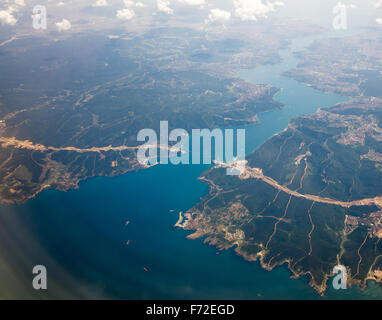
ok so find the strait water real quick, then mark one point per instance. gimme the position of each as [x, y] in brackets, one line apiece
[81, 235]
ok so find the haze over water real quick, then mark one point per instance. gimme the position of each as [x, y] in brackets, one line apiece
[81, 235]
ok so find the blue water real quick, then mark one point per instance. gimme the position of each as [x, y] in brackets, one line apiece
[80, 235]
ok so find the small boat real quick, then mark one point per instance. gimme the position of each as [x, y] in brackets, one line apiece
[127, 222]
[128, 242]
[145, 269]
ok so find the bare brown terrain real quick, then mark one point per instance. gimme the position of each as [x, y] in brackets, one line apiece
[257, 173]
[26, 144]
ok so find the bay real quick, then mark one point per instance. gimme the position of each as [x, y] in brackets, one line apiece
[81, 235]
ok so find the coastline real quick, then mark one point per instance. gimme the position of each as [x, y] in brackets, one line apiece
[321, 289]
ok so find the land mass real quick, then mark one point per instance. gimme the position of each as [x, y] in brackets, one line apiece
[73, 111]
[309, 197]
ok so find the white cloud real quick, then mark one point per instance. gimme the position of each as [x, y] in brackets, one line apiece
[60, 4]
[164, 6]
[254, 9]
[20, 3]
[378, 5]
[128, 13]
[130, 3]
[349, 6]
[101, 3]
[217, 15]
[11, 3]
[125, 14]
[379, 20]
[193, 2]
[7, 15]
[6, 18]
[64, 25]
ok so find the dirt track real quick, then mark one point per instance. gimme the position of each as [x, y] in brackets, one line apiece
[246, 174]
[26, 144]
[258, 174]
